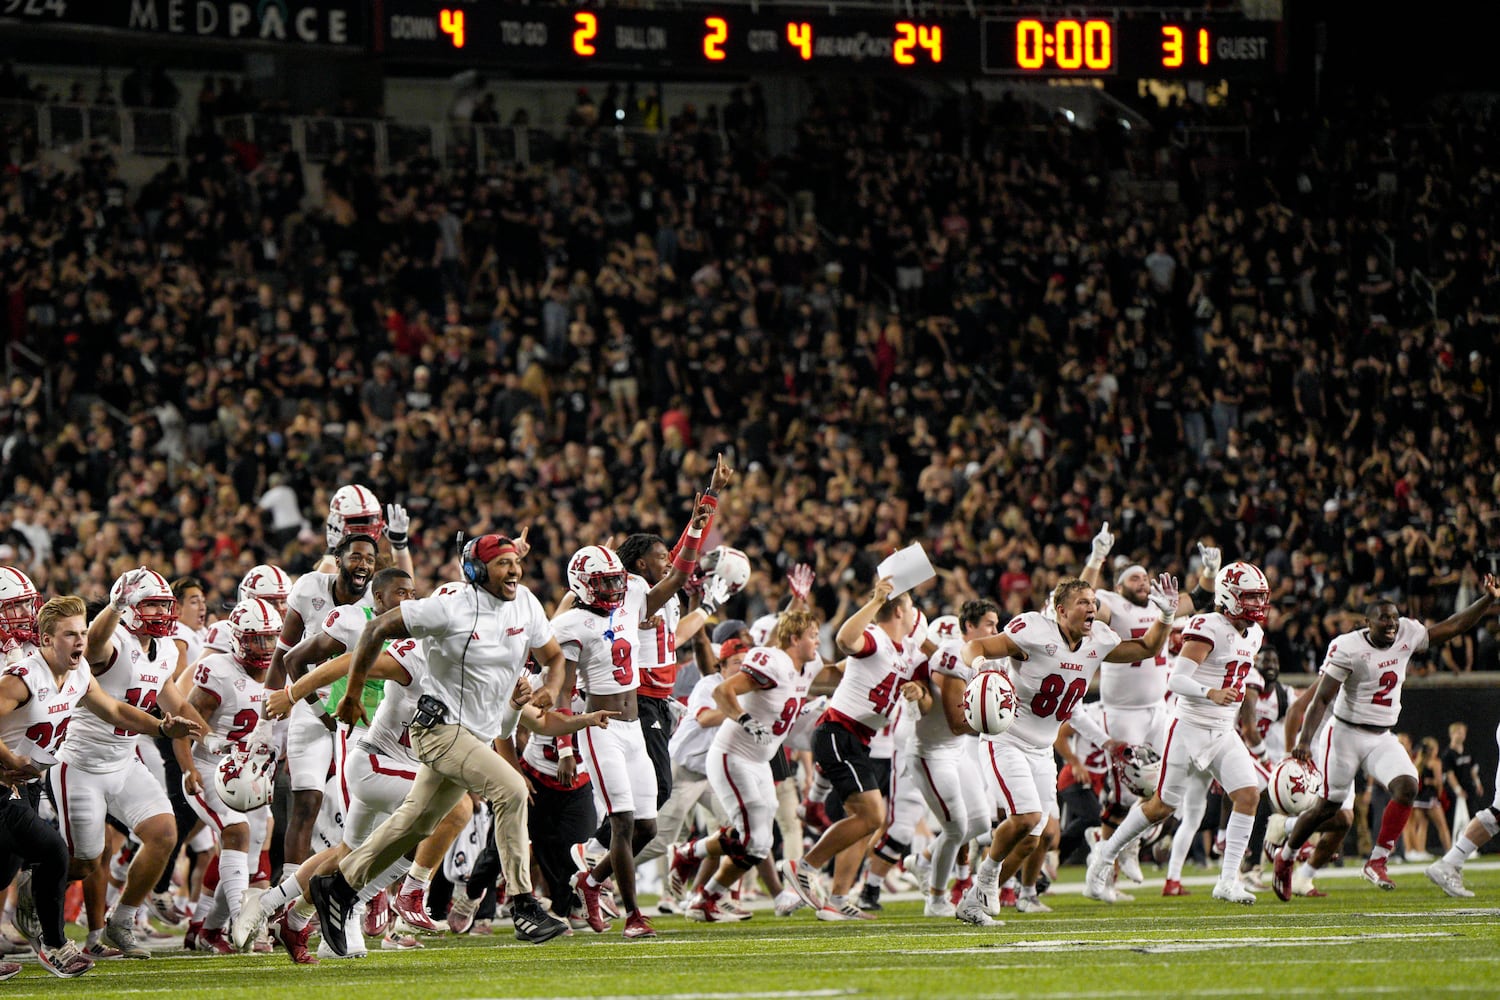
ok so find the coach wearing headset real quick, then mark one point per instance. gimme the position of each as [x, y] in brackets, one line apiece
[478, 638]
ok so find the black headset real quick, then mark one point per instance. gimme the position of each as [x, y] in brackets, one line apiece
[474, 570]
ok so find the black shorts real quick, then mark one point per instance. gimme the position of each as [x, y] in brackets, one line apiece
[845, 761]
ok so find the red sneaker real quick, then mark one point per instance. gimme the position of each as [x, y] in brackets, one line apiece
[963, 885]
[590, 896]
[190, 939]
[1281, 878]
[1174, 888]
[637, 926]
[704, 909]
[410, 905]
[377, 915]
[217, 941]
[815, 816]
[1376, 875]
[1007, 897]
[682, 869]
[9, 970]
[295, 942]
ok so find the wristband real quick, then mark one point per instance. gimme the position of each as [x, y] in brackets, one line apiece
[318, 707]
[744, 717]
[564, 753]
[282, 647]
[1205, 691]
[161, 727]
[397, 546]
[685, 560]
[1167, 618]
[694, 531]
[710, 498]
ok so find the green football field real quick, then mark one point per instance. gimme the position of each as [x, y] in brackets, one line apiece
[1359, 941]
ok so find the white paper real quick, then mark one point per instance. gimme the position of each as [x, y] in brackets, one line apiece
[907, 568]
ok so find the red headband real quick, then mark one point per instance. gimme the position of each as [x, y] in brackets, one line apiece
[487, 547]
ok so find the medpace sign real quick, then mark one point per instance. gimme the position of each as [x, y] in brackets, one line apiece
[272, 22]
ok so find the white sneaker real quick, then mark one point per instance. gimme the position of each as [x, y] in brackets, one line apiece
[1449, 879]
[788, 903]
[1130, 862]
[939, 906]
[249, 922]
[1121, 896]
[1253, 879]
[1030, 904]
[1096, 882]
[987, 897]
[1415, 857]
[1231, 891]
[972, 913]
[667, 906]
[918, 865]
[1276, 830]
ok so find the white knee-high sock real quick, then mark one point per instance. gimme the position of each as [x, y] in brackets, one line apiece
[1236, 838]
[1189, 817]
[944, 853]
[385, 878]
[1134, 824]
[234, 878]
[285, 894]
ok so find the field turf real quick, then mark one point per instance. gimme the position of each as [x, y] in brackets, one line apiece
[1414, 942]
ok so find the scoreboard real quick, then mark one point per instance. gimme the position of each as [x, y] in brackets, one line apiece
[1108, 43]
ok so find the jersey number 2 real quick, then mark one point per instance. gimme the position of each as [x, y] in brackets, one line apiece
[1388, 682]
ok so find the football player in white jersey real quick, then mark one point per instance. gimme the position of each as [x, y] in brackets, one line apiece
[861, 705]
[764, 700]
[229, 693]
[599, 637]
[309, 736]
[355, 510]
[1362, 676]
[39, 700]
[1447, 872]
[132, 657]
[1052, 664]
[1202, 742]
[944, 765]
[19, 603]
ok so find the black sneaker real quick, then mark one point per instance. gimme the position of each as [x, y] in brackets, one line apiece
[533, 924]
[869, 899]
[334, 901]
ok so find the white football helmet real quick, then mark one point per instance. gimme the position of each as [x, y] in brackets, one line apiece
[246, 776]
[1241, 592]
[918, 633]
[268, 583]
[354, 510]
[1140, 769]
[597, 578]
[732, 566]
[1294, 786]
[943, 628]
[254, 627]
[19, 603]
[155, 610]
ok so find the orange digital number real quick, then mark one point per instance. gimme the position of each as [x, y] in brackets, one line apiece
[930, 37]
[452, 23]
[799, 37]
[1030, 41]
[588, 30]
[906, 40]
[1203, 46]
[1098, 45]
[713, 42]
[1171, 47]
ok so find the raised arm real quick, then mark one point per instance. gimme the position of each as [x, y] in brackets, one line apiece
[1163, 597]
[850, 637]
[1094, 568]
[1465, 620]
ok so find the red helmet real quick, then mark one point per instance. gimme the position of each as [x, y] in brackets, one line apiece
[19, 603]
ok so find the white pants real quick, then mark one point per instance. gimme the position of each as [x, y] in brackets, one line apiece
[1195, 755]
[905, 807]
[84, 798]
[309, 749]
[377, 785]
[954, 790]
[747, 794]
[1022, 779]
[1137, 726]
[616, 758]
[689, 790]
[1347, 748]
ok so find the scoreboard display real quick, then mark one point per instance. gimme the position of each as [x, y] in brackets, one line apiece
[739, 41]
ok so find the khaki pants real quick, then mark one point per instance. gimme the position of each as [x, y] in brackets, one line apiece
[454, 762]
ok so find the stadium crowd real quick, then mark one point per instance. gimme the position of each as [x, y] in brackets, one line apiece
[975, 337]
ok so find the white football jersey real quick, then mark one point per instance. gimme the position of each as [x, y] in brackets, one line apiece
[312, 598]
[1371, 676]
[656, 647]
[133, 676]
[691, 740]
[934, 736]
[388, 732]
[604, 646]
[868, 691]
[343, 625]
[46, 716]
[775, 702]
[1142, 684]
[1051, 682]
[1227, 665]
[215, 638]
[1268, 714]
[1095, 759]
[239, 703]
[192, 642]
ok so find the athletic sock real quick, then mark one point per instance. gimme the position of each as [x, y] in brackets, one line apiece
[1131, 827]
[124, 914]
[1462, 850]
[286, 893]
[1236, 839]
[419, 877]
[1392, 822]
